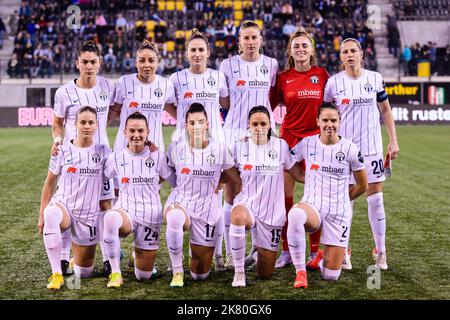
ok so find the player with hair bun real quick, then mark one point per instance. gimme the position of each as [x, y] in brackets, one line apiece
[361, 98]
[200, 84]
[250, 75]
[88, 89]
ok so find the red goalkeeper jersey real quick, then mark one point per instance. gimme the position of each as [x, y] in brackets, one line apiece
[301, 93]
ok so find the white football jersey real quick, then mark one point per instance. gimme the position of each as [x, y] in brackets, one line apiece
[81, 179]
[205, 88]
[147, 98]
[70, 98]
[357, 101]
[249, 84]
[328, 172]
[138, 176]
[198, 173]
[262, 173]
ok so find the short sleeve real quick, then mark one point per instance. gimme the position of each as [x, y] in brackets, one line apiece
[173, 80]
[223, 90]
[228, 159]
[112, 92]
[276, 93]
[274, 72]
[110, 166]
[164, 170]
[289, 157]
[329, 92]
[170, 155]
[59, 107]
[356, 160]
[119, 91]
[170, 92]
[297, 150]
[56, 163]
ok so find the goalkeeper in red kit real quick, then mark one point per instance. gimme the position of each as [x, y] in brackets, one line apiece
[300, 88]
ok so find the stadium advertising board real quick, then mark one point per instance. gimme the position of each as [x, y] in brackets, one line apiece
[431, 93]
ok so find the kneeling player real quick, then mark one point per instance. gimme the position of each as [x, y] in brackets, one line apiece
[262, 160]
[138, 208]
[79, 166]
[330, 161]
[193, 203]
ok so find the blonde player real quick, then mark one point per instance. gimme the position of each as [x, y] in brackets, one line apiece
[146, 92]
[138, 208]
[361, 98]
[261, 160]
[198, 162]
[87, 90]
[200, 84]
[330, 162]
[250, 76]
[75, 205]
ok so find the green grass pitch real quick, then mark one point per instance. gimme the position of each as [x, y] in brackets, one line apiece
[418, 239]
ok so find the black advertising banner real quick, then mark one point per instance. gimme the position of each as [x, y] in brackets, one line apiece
[404, 93]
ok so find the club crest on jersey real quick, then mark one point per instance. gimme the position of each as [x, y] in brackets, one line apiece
[211, 159]
[264, 70]
[340, 156]
[211, 81]
[273, 154]
[314, 79]
[149, 163]
[368, 87]
[158, 92]
[103, 95]
[96, 158]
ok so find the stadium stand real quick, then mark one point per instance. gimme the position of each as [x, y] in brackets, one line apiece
[44, 45]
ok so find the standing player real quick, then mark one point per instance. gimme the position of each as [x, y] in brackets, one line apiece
[330, 162]
[198, 162]
[138, 208]
[250, 76]
[146, 92]
[361, 97]
[200, 84]
[300, 88]
[75, 205]
[87, 90]
[261, 160]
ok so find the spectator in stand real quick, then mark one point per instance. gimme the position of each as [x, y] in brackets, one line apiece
[394, 42]
[317, 19]
[405, 60]
[13, 22]
[288, 29]
[432, 54]
[24, 10]
[121, 23]
[446, 61]
[2, 32]
[170, 63]
[13, 67]
[110, 58]
[127, 64]
[45, 67]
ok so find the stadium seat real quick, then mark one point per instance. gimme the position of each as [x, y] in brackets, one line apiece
[179, 5]
[161, 5]
[260, 23]
[139, 23]
[238, 15]
[216, 3]
[170, 46]
[151, 35]
[170, 5]
[179, 34]
[237, 5]
[150, 25]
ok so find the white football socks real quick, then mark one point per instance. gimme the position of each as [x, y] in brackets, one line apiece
[53, 217]
[377, 218]
[296, 237]
[174, 237]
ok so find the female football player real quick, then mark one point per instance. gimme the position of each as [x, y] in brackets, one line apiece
[261, 160]
[300, 88]
[78, 172]
[193, 204]
[330, 161]
[361, 98]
